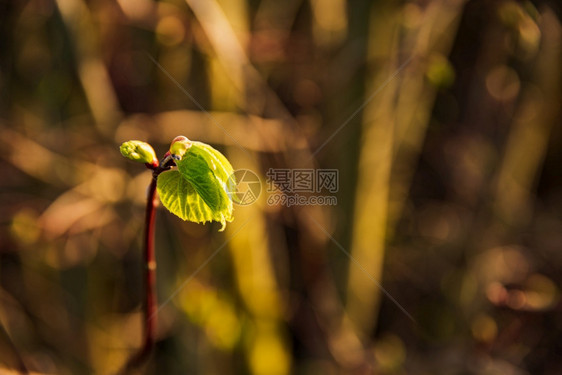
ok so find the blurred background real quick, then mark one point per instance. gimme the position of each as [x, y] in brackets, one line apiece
[443, 254]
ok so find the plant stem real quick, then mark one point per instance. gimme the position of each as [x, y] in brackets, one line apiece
[149, 281]
[150, 271]
[150, 302]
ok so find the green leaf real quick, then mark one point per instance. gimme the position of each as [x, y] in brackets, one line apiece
[181, 199]
[201, 188]
[210, 174]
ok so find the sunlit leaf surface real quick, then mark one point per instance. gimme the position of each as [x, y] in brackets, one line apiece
[200, 189]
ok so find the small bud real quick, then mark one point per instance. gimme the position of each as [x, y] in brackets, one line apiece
[179, 147]
[138, 151]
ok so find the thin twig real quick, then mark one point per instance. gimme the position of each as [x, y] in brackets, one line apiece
[150, 302]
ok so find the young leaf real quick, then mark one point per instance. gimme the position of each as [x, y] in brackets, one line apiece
[210, 174]
[201, 188]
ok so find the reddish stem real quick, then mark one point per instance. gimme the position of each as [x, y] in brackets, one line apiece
[149, 272]
[149, 280]
[149, 267]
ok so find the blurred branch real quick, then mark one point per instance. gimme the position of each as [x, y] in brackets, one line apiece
[536, 114]
[393, 132]
[250, 249]
[329, 22]
[257, 284]
[431, 40]
[28, 155]
[251, 132]
[375, 159]
[255, 96]
[91, 69]
[39, 162]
